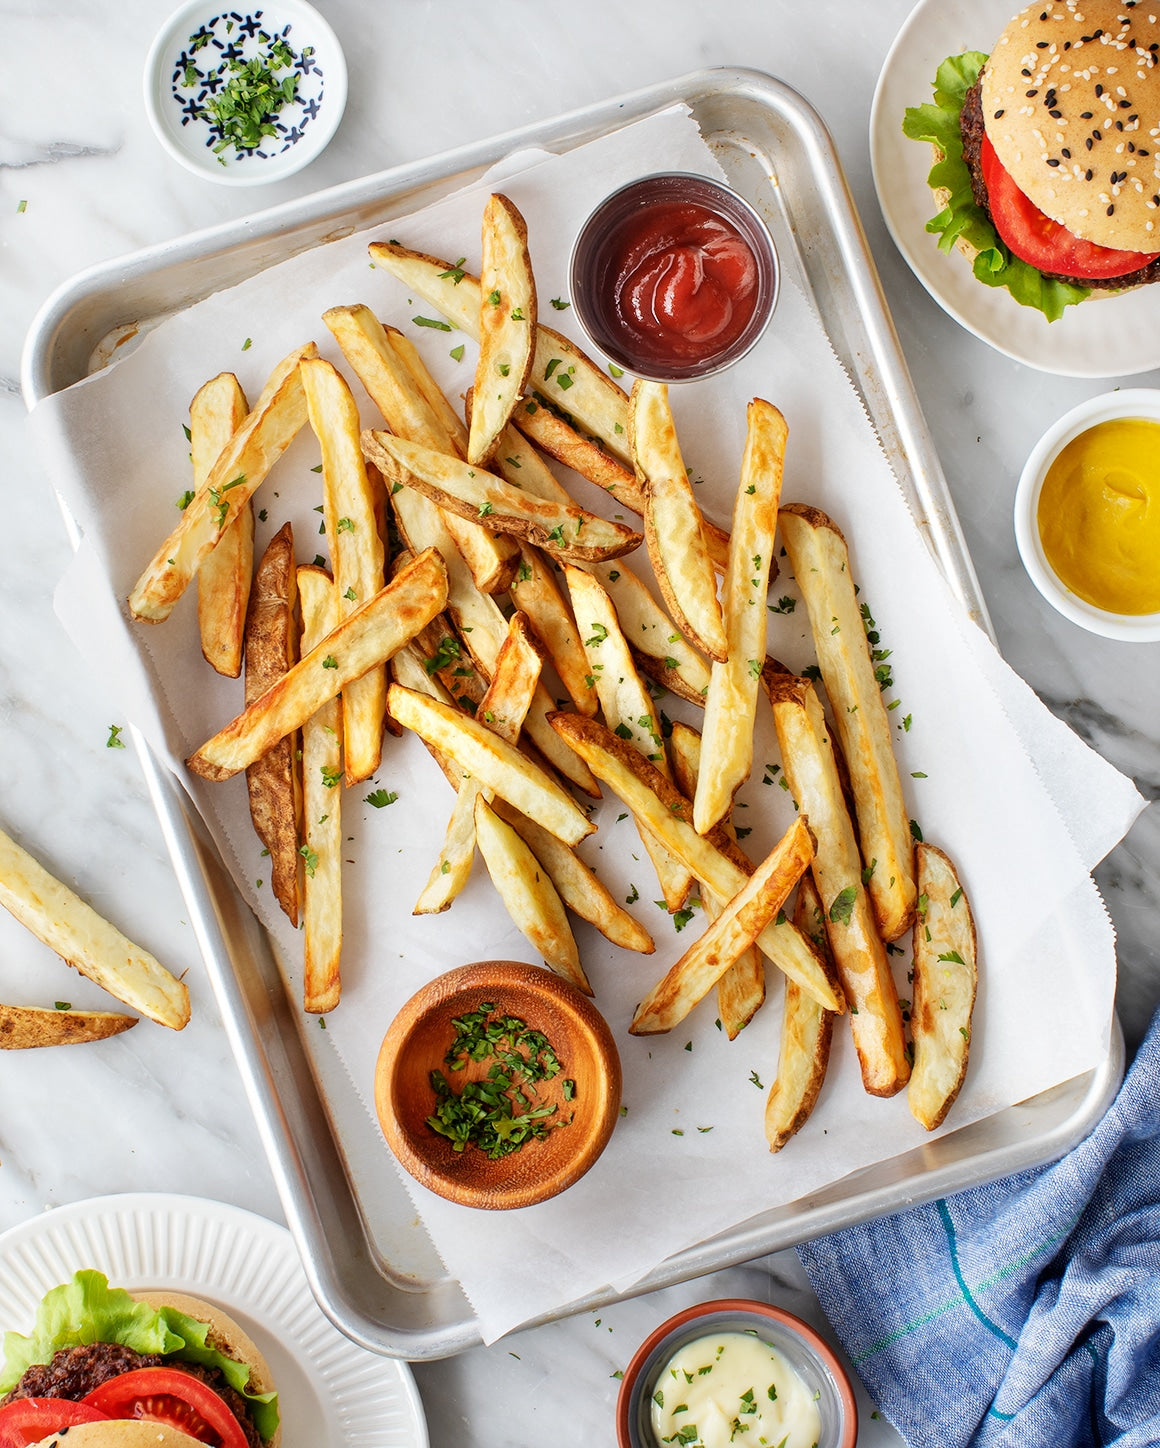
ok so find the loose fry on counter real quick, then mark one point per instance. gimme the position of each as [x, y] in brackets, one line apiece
[507, 326]
[713, 858]
[672, 522]
[223, 581]
[356, 551]
[858, 951]
[24, 1028]
[563, 530]
[736, 927]
[806, 1032]
[273, 781]
[83, 939]
[496, 764]
[945, 979]
[365, 638]
[322, 768]
[253, 450]
[731, 704]
[821, 564]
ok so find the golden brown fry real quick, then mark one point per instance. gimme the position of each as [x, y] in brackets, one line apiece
[63, 921]
[560, 440]
[252, 451]
[446, 416]
[806, 1032]
[731, 704]
[356, 551]
[945, 979]
[24, 1028]
[859, 954]
[734, 930]
[322, 736]
[273, 782]
[821, 564]
[660, 649]
[507, 326]
[223, 580]
[368, 636]
[672, 522]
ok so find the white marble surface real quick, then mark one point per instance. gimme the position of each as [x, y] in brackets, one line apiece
[150, 1111]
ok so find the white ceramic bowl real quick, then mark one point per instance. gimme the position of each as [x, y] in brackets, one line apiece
[189, 64]
[1130, 402]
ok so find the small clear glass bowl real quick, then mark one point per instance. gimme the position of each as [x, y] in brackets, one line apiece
[593, 255]
[808, 1353]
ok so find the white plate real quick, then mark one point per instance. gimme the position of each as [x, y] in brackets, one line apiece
[1114, 336]
[331, 1391]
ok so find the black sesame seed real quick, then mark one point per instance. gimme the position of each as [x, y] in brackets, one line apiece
[1052, 161]
[1088, 143]
[1124, 105]
[1055, 113]
[1087, 175]
[1099, 90]
[1085, 115]
[998, 114]
[1032, 93]
[1066, 153]
[1041, 45]
[1119, 125]
[1025, 73]
[1156, 201]
[1110, 210]
[1133, 118]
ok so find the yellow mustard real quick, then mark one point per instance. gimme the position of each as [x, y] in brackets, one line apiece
[1099, 516]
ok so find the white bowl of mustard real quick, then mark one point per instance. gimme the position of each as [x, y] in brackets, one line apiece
[1087, 515]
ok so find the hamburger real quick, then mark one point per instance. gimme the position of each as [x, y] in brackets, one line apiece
[113, 1369]
[1048, 152]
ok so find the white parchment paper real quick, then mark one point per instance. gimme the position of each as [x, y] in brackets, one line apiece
[1022, 805]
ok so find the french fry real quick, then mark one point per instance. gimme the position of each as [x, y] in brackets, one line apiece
[660, 649]
[356, 551]
[806, 1032]
[24, 1028]
[713, 858]
[322, 768]
[365, 638]
[859, 954]
[66, 924]
[273, 781]
[672, 522]
[731, 704]
[736, 927]
[945, 980]
[223, 580]
[741, 990]
[563, 530]
[528, 894]
[817, 552]
[445, 415]
[495, 763]
[253, 450]
[507, 326]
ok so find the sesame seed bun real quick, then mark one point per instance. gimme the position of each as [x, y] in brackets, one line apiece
[119, 1433]
[1071, 103]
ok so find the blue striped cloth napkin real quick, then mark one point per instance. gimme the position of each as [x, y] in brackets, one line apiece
[1024, 1312]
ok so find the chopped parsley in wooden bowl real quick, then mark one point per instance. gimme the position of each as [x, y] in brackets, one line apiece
[498, 1085]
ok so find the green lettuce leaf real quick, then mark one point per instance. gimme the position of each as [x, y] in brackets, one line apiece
[88, 1310]
[938, 125]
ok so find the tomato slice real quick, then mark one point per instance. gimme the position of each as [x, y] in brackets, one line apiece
[1044, 243]
[169, 1396]
[29, 1420]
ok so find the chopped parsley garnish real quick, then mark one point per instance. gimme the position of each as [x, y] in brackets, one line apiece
[443, 656]
[560, 306]
[114, 741]
[435, 322]
[380, 798]
[457, 353]
[186, 498]
[221, 502]
[843, 907]
[310, 857]
[454, 273]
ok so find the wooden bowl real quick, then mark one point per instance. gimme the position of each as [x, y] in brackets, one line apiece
[418, 1041]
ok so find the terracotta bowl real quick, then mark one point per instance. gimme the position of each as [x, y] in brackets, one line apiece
[417, 1043]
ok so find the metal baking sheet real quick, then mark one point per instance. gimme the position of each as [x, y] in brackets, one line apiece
[370, 1264]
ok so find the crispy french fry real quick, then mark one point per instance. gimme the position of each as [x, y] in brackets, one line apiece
[731, 704]
[365, 638]
[356, 551]
[273, 782]
[821, 564]
[945, 979]
[660, 649]
[252, 451]
[496, 764]
[563, 530]
[734, 930]
[63, 921]
[672, 522]
[859, 954]
[446, 416]
[713, 858]
[24, 1028]
[507, 326]
[322, 768]
[223, 580]
[806, 1031]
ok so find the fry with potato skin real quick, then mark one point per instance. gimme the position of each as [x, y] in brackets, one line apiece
[507, 326]
[24, 1028]
[223, 581]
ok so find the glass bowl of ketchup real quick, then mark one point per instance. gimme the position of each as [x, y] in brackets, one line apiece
[674, 277]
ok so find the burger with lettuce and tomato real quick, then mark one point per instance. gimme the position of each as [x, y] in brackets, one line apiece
[115, 1370]
[1048, 152]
